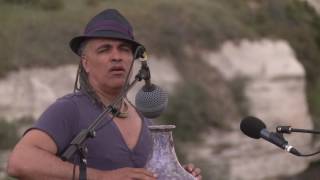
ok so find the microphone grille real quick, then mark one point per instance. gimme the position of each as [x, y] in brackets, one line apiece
[151, 103]
[252, 126]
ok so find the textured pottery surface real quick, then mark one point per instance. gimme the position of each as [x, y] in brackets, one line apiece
[163, 160]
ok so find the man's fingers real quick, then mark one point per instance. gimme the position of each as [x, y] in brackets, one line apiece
[189, 167]
[199, 177]
[193, 170]
[196, 171]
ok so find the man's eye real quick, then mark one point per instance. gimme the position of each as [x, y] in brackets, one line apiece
[102, 50]
[126, 48]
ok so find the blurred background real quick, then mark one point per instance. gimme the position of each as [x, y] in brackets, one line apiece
[219, 60]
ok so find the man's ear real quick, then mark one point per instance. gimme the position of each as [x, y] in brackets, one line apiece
[85, 65]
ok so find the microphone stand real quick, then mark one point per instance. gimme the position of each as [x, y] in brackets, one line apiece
[289, 130]
[78, 143]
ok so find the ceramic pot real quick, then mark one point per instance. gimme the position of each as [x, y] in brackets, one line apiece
[163, 160]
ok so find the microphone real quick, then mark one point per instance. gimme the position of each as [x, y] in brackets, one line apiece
[150, 100]
[255, 128]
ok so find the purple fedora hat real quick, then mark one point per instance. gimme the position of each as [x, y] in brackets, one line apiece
[107, 24]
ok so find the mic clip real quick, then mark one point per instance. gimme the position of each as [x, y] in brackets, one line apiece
[144, 73]
[113, 110]
[284, 129]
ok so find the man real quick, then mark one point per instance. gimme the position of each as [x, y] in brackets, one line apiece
[122, 143]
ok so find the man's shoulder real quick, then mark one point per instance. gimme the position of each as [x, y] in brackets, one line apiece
[74, 96]
[69, 100]
[79, 100]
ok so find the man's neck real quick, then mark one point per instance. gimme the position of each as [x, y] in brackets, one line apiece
[107, 97]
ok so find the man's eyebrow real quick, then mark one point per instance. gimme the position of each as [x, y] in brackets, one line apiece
[125, 44]
[105, 45]
[108, 45]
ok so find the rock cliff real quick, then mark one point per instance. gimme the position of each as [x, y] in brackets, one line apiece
[274, 90]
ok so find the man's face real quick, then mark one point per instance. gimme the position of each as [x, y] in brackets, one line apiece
[107, 62]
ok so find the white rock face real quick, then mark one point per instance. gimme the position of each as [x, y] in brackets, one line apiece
[29, 92]
[274, 89]
[256, 60]
[315, 4]
[276, 93]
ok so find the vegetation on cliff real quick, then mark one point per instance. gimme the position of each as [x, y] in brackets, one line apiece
[37, 32]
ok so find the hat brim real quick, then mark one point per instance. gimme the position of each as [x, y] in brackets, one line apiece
[75, 43]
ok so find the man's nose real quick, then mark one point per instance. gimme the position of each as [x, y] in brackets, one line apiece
[116, 55]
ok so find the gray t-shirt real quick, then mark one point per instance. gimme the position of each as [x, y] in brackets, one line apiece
[65, 118]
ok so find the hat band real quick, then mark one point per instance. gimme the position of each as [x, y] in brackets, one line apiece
[109, 25]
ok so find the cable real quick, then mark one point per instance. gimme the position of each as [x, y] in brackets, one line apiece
[74, 169]
[289, 130]
[307, 155]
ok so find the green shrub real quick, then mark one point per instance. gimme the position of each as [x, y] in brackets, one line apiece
[5, 55]
[44, 4]
[237, 86]
[51, 4]
[92, 2]
[166, 27]
[20, 1]
[8, 134]
[188, 109]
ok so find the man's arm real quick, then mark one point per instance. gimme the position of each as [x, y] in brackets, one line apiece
[34, 158]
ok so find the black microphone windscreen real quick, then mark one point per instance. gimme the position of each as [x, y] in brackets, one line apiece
[252, 127]
[151, 103]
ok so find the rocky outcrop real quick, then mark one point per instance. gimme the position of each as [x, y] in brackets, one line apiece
[28, 92]
[315, 4]
[273, 86]
[275, 91]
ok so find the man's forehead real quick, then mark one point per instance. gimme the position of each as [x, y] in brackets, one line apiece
[111, 41]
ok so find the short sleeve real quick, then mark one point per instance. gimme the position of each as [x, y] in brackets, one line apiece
[59, 121]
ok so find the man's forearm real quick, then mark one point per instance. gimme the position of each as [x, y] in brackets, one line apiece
[35, 163]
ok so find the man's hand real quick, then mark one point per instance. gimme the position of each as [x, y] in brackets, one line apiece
[193, 170]
[129, 174]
